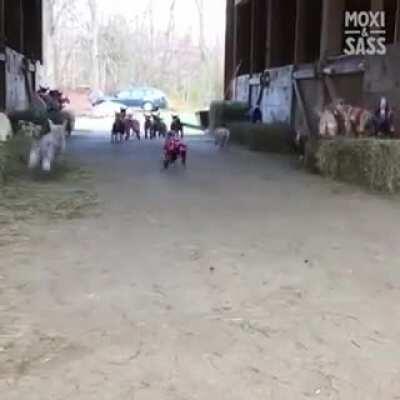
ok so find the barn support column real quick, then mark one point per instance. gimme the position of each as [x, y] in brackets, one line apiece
[2, 57]
[270, 10]
[230, 45]
[397, 29]
[332, 27]
[236, 62]
[21, 25]
[2, 25]
[331, 37]
[299, 45]
[253, 37]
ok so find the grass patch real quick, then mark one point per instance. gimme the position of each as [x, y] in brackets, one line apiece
[372, 163]
[13, 157]
[65, 194]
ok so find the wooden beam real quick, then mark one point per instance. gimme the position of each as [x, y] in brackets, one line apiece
[268, 47]
[331, 88]
[21, 25]
[299, 43]
[397, 29]
[2, 25]
[253, 37]
[332, 27]
[302, 106]
[229, 46]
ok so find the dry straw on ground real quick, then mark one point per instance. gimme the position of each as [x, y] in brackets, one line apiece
[66, 193]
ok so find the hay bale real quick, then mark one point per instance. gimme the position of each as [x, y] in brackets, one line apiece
[372, 163]
[274, 138]
[224, 112]
[310, 154]
[14, 156]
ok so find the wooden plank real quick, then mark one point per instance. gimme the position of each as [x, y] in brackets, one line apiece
[21, 25]
[229, 46]
[268, 48]
[299, 45]
[302, 106]
[328, 81]
[252, 36]
[2, 24]
[332, 27]
[397, 28]
[306, 71]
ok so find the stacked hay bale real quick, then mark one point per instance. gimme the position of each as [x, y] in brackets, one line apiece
[274, 138]
[372, 163]
[224, 112]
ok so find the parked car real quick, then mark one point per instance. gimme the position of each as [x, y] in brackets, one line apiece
[145, 97]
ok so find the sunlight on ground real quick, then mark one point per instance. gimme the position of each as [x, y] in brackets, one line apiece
[104, 124]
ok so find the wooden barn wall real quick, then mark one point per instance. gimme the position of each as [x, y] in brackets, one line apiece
[358, 80]
[382, 77]
[277, 99]
[20, 36]
[242, 88]
[16, 94]
[349, 87]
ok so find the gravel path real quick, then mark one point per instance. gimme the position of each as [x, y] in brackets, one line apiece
[240, 277]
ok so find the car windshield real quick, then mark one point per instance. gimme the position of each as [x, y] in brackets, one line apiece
[141, 94]
[131, 94]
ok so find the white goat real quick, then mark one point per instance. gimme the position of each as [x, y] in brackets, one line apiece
[222, 136]
[45, 150]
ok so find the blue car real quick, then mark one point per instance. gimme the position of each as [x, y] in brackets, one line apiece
[144, 97]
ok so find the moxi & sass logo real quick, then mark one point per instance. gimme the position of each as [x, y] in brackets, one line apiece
[365, 33]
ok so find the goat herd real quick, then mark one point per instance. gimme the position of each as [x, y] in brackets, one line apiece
[356, 121]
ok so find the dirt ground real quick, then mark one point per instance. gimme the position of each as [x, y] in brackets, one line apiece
[240, 277]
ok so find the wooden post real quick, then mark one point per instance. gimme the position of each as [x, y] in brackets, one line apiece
[252, 45]
[2, 56]
[299, 43]
[2, 25]
[302, 106]
[21, 25]
[268, 55]
[235, 36]
[229, 46]
[253, 37]
[331, 88]
[332, 27]
[397, 29]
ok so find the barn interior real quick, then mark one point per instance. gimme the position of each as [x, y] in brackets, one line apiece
[300, 43]
[20, 50]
